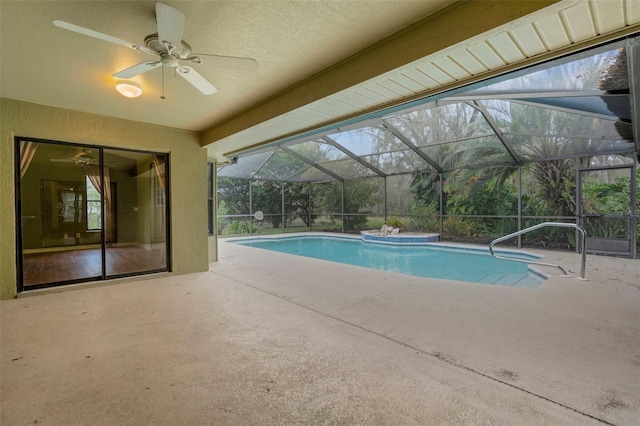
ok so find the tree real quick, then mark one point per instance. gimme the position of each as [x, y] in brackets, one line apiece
[296, 199]
[358, 195]
[267, 197]
[234, 193]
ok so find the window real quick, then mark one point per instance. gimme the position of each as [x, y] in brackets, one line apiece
[67, 206]
[210, 197]
[159, 196]
[94, 211]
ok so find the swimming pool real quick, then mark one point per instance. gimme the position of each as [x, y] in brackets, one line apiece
[450, 262]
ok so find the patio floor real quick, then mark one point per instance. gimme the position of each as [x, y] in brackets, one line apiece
[261, 339]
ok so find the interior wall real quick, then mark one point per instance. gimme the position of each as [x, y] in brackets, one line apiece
[32, 229]
[188, 175]
[126, 199]
[32, 203]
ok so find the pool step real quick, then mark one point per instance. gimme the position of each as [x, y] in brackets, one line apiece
[530, 281]
[513, 280]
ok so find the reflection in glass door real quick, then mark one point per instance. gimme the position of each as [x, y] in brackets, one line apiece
[58, 243]
[139, 243]
[87, 213]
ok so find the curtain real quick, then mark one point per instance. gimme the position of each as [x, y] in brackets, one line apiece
[92, 171]
[27, 151]
[159, 163]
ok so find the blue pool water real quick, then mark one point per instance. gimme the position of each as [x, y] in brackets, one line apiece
[462, 264]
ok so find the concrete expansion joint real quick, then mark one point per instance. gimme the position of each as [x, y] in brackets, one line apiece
[434, 355]
[368, 298]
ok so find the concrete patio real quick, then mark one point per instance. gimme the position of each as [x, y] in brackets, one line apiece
[262, 339]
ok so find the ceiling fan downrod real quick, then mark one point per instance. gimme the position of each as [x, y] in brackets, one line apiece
[162, 96]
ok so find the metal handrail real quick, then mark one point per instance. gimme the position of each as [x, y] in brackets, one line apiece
[583, 246]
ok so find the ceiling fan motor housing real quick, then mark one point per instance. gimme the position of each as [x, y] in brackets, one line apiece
[179, 52]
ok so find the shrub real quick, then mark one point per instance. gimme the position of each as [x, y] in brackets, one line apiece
[460, 227]
[242, 227]
[394, 222]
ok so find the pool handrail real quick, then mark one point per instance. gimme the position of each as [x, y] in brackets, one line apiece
[583, 246]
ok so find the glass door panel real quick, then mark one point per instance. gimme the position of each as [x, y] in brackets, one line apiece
[58, 243]
[135, 209]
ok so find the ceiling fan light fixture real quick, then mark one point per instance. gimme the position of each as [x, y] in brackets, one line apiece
[130, 89]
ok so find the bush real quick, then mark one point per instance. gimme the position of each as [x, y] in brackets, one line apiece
[394, 222]
[242, 227]
[354, 223]
[460, 227]
[425, 224]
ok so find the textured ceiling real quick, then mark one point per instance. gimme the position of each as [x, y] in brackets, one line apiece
[290, 40]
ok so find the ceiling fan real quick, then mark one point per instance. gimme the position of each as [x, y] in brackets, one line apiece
[173, 52]
[83, 158]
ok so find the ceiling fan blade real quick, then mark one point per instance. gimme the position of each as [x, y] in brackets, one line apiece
[101, 36]
[198, 81]
[231, 62]
[170, 24]
[138, 69]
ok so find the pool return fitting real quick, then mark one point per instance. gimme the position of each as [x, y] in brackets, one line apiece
[583, 246]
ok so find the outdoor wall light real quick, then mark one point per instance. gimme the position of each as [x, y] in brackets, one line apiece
[130, 89]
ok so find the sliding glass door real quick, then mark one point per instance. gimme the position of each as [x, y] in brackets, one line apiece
[137, 241]
[89, 213]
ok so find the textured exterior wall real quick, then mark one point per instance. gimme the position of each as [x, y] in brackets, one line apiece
[213, 240]
[188, 171]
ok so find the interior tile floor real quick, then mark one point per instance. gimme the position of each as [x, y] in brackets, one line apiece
[261, 339]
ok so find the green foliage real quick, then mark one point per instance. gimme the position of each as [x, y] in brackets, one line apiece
[555, 187]
[222, 210]
[296, 198]
[460, 227]
[490, 198]
[465, 192]
[267, 197]
[242, 227]
[532, 205]
[425, 224]
[600, 198]
[358, 195]
[606, 228]
[492, 228]
[425, 188]
[394, 222]
[549, 237]
[425, 216]
[607, 198]
[375, 222]
[234, 193]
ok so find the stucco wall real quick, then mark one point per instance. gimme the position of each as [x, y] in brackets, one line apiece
[213, 240]
[188, 170]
